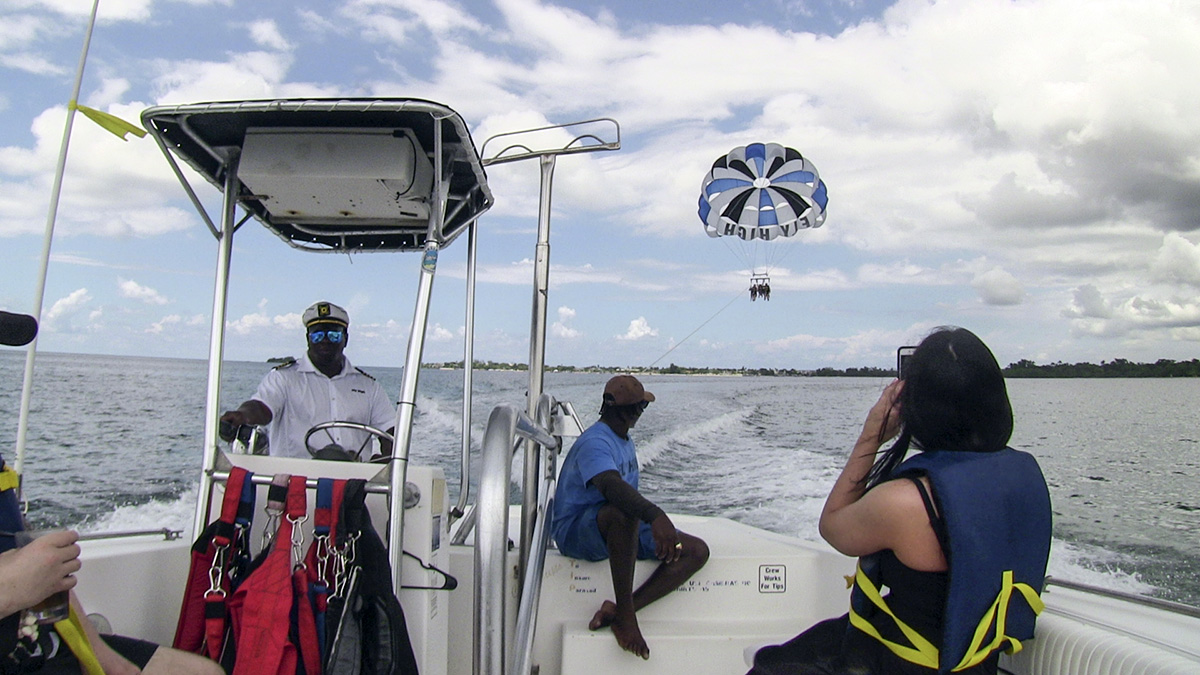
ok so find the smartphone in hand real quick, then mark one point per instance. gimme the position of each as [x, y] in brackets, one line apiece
[902, 355]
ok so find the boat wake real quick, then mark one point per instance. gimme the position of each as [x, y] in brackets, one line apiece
[173, 514]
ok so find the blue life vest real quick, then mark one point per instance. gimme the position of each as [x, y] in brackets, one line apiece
[11, 521]
[996, 511]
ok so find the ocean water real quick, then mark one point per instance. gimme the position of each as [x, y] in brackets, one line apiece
[114, 444]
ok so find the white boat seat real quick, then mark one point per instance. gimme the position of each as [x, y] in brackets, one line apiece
[1063, 645]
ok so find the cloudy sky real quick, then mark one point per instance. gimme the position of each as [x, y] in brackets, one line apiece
[1028, 169]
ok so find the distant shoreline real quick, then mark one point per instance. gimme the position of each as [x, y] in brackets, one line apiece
[1021, 369]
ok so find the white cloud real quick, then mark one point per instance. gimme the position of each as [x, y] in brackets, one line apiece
[998, 287]
[171, 320]
[520, 273]
[639, 328]
[132, 289]
[70, 305]
[265, 33]
[869, 346]
[118, 10]
[1178, 261]
[1174, 318]
[900, 272]
[1088, 303]
[248, 75]
[31, 63]
[560, 328]
[438, 17]
[251, 324]
[159, 326]
[111, 187]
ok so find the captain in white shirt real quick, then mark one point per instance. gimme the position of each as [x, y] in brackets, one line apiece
[322, 387]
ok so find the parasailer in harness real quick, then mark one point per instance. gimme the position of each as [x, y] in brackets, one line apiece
[760, 287]
[958, 535]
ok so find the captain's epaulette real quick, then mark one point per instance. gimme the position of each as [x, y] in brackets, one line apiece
[364, 372]
[287, 363]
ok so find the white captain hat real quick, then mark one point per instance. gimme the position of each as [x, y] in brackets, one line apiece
[326, 312]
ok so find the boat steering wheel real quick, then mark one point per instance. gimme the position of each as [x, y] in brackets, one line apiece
[324, 453]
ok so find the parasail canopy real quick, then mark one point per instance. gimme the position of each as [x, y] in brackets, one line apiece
[757, 195]
[762, 191]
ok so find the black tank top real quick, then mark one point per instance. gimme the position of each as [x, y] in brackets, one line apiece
[918, 598]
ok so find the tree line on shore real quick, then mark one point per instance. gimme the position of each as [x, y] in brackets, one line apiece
[1114, 368]
[1023, 368]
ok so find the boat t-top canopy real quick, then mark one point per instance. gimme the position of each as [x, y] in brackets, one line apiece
[334, 175]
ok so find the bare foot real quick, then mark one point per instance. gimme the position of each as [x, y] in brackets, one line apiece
[604, 616]
[629, 636]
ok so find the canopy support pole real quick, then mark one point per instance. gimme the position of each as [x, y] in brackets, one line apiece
[216, 340]
[587, 140]
[537, 356]
[407, 404]
[468, 374]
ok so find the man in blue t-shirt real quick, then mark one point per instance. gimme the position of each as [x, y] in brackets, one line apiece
[599, 513]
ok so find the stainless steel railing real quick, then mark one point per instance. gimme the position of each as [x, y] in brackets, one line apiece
[494, 655]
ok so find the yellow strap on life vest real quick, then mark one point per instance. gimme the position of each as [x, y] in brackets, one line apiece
[999, 611]
[9, 479]
[922, 652]
[71, 631]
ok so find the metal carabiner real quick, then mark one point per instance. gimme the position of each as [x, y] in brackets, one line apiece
[216, 572]
[297, 539]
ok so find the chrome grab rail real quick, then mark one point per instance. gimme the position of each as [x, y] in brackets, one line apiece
[165, 532]
[1144, 600]
[533, 566]
[491, 537]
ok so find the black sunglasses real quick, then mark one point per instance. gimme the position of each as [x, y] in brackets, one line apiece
[334, 336]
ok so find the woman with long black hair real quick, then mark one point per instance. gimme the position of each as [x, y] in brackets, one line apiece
[958, 534]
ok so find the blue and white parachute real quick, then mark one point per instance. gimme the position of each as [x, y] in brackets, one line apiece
[756, 195]
[762, 191]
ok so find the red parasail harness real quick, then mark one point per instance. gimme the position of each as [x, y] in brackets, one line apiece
[332, 610]
[275, 633]
[218, 558]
